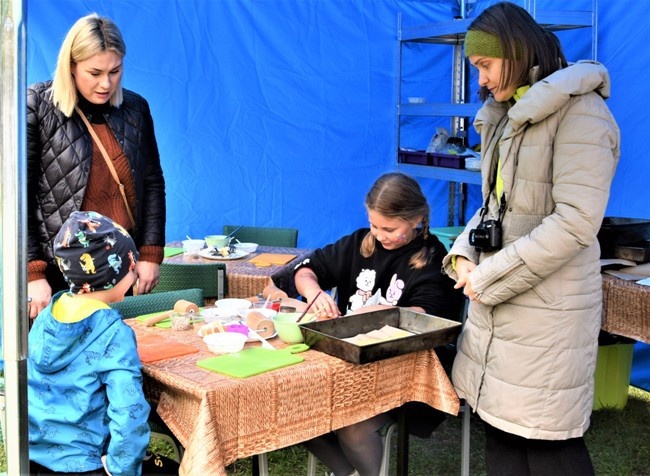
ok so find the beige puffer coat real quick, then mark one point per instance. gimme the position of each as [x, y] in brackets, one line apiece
[527, 353]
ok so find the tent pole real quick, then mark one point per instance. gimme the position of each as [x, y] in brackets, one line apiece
[12, 233]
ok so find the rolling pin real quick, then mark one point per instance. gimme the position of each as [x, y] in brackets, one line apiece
[181, 306]
[273, 292]
[260, 324]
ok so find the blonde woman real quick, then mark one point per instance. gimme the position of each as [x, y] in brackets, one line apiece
[66, 169]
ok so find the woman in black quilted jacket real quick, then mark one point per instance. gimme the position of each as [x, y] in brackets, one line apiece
[66, 168]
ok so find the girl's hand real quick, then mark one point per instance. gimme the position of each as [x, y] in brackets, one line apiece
[324, 307]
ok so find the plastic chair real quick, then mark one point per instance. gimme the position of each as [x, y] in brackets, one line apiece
[210, 277]
[133, 306]
[176, 449]
[385, 459]
[264, 236]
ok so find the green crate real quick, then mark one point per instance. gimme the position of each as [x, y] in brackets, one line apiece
[612, 379]
[447, 234]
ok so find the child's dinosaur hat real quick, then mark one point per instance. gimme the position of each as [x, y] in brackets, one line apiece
[93, 252]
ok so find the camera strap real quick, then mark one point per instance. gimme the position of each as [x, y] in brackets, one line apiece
[502, 200]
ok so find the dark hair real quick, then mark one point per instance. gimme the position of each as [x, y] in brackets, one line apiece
[396, 195]
[521, 38]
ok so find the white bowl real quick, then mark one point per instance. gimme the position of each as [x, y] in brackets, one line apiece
[414, 100]
[233, 304]
[225, 342]
[267, 313]
[246, 247]
[225, 315]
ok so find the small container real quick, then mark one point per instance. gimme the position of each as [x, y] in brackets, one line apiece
[241, 328]
[275, 305]
[191, 248]
[285, 309]
[419, 157]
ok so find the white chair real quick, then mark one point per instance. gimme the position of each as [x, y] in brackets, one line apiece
[385, 459]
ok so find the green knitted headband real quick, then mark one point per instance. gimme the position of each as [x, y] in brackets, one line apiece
[480, 43]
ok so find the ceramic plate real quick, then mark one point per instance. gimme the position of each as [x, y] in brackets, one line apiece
[213, 313]
[207, 253]
[253, 339]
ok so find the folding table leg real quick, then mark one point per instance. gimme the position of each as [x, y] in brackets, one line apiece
[465, 442]
[402, 444]
[260, 465]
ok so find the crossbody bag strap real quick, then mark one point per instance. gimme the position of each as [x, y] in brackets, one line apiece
[109, 162]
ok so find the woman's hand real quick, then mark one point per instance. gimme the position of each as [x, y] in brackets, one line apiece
[40, 293]
[464, 267]
[147, 276]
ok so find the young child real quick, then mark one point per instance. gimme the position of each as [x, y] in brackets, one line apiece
[87, 411]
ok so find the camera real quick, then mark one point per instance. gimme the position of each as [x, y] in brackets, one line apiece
[486, 236]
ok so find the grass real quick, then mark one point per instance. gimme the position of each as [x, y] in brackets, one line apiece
[618, 440]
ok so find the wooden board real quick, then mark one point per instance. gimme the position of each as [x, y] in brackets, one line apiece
[272, 258]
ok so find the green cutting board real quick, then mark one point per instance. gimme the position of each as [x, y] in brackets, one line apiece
[254, 360]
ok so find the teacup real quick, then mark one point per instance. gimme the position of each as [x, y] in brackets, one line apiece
[217, 241]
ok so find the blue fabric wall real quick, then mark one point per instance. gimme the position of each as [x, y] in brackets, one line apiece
[282, 112]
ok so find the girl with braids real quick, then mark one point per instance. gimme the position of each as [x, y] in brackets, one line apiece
[394, 262]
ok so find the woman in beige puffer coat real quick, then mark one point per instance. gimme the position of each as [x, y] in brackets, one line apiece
[527, 354]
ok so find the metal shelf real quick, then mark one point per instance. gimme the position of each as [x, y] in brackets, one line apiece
[439, 109]
[441, 173]
[452, 33]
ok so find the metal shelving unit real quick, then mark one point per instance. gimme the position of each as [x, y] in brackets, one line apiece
[460, 111]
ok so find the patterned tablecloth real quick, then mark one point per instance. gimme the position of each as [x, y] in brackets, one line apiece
[219, 419]
[626, 308]
[246, 278]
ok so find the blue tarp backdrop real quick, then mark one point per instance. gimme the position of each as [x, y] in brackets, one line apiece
[283, 112]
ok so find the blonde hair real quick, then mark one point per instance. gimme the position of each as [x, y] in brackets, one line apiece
[396, 195]
[89, 36]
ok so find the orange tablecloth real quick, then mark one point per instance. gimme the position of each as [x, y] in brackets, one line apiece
[626, 308]
[245, 278]
[219, 419]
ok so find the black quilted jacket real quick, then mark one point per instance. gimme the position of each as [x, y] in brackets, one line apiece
[59, 155]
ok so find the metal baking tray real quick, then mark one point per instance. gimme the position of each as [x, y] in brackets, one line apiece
[430, 332]
[638, 252]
